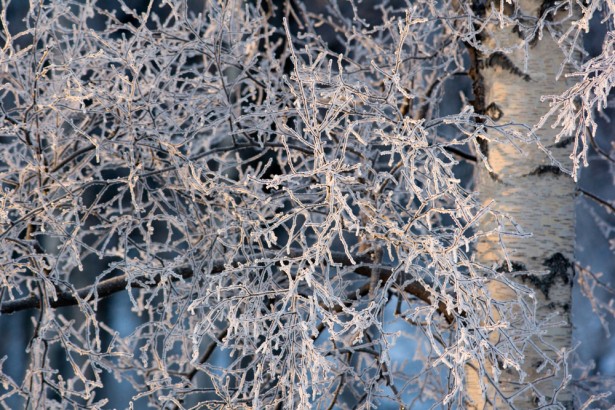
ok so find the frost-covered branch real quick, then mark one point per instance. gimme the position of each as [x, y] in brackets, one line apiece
[108, 287]
[258, 185]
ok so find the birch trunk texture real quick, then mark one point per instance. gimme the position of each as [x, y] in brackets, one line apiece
[535, 193]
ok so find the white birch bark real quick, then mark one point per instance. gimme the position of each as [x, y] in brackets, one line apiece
[540, 199]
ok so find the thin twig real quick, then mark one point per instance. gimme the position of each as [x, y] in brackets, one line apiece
[598, 199]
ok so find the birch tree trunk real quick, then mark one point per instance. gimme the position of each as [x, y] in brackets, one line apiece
[539, 197]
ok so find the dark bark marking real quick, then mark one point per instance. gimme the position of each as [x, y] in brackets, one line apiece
[478, 86]
[494, 111]
[559, 267]
[564, 306]
[564, 142]
[546, 169]
[516, 267]
[501, 60]
[517, 30]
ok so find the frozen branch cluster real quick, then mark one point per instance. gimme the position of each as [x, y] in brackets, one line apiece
[285, 204]
[574, 111]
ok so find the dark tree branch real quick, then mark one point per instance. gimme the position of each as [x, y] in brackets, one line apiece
[111, 286]
[461, 153]
[599, 150]
[599, 200]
